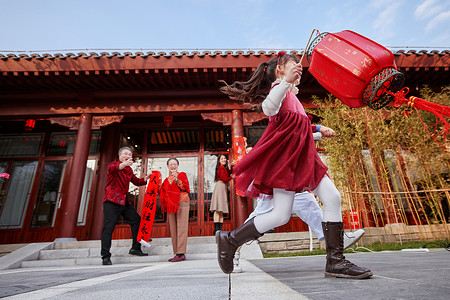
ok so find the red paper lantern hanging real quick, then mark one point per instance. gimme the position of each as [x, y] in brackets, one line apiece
[354, 69]
[361, 72]
[168, 120]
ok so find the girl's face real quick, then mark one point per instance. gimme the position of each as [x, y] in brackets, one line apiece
[172, 165]
[223, 160]
[282, 69]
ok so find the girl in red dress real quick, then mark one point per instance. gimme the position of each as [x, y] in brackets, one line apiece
[282, 163]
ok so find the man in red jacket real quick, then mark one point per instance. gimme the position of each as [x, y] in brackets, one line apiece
[115, 203]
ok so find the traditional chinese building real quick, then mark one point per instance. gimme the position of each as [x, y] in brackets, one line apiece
[63, 118]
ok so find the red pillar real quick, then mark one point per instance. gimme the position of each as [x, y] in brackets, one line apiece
[71, 201]
[108, 152]
[240, 208]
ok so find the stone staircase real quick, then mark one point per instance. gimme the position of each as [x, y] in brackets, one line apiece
[88, 252]
[54, 254]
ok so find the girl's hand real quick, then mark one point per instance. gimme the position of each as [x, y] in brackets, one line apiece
[294, 73]
[326, 131]
[174, 174]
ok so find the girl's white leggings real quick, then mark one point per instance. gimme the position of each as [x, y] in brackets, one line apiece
[283, 201]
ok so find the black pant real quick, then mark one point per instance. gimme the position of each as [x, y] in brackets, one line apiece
[111, 212]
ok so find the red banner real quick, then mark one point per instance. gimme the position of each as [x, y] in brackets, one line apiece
[238, 148]
[149, 208]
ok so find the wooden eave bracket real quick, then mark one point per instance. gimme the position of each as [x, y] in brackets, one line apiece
[97, 121]
[226, 118]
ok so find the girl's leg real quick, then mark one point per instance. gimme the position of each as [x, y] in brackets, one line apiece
[216, 216]
[331, 198]
[218, 220]
[333, 230]
[228, 242]
[220, 223]
[280, 214]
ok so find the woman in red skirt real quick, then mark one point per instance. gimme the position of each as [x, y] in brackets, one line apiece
[219, 200]
[282, 163]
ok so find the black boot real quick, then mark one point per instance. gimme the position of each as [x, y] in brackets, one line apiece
[216, 227]
[337, 265]
[229, 241]
[219, 226]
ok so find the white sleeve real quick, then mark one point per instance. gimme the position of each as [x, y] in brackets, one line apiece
[272, 104]
[317, 136]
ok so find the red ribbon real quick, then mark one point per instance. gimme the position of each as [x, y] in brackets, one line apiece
[280, 54]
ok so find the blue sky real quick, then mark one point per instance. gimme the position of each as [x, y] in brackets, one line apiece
[30, 25]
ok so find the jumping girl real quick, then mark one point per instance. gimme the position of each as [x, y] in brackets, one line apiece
[282, 163]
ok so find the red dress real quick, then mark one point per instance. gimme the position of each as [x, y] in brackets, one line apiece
[285, 156]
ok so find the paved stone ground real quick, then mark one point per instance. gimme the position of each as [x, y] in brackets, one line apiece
[19, 281]
[397, 275]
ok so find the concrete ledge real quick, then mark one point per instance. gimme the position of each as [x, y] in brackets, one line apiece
[285, 236]
[5, 249]
[29, 252]
[399, 232]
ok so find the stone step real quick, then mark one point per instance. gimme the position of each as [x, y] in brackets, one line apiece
[128, 242]
[122, 251]
[55, 254]
[88, 252]
[115, 260]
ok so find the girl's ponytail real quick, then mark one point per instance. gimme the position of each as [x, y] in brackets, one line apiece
[255, 90]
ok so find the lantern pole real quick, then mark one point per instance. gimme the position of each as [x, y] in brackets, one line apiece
[307, 44]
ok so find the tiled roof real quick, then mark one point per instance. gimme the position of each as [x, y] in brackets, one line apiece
[136, 54]
[223, 53]
[179, 70]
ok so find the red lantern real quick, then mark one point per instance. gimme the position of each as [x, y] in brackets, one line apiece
[29, 124]
[360, 72]
[168, 120]
[354, 68]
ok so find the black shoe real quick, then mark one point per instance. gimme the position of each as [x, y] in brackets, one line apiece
[137, 252]
[106, 261]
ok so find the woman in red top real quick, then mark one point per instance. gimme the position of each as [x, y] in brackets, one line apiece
[174, 199]
[219, 200]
